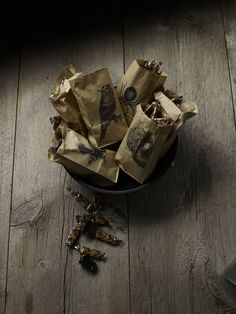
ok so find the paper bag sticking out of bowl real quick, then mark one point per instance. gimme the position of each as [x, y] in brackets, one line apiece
[64, 101]
[79, 156]
[138, 85]
[142, 145]
[100, 107]
[179, 114]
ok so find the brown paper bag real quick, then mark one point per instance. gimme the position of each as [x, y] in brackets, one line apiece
[189, 109]
[138, 85]
[142, 146]
[100, 107]
[177, 99]
[78, 156]
[65, 102]
[179, 115]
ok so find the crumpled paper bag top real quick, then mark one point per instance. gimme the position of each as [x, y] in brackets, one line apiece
[65, 102]
[138, 85]
[79, 156]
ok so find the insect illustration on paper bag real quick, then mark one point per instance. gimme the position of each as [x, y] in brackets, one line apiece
[141, 144]
[93, 152]
[128, 99]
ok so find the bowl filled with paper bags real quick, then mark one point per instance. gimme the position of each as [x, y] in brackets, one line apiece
[116, 139]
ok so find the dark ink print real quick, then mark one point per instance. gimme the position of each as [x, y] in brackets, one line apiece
[107, 109]
[93, 151]
[128, 98]
[140, 143]
[55, 121]
[130, 93]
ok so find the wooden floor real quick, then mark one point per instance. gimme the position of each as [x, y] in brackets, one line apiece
[180, 234]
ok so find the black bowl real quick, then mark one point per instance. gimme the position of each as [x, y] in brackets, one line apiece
[125, 183]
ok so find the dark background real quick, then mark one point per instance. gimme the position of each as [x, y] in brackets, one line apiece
[38, 23]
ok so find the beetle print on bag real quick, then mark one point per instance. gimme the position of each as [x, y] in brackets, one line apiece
[140, 143]
[128, 99]
[93, 151]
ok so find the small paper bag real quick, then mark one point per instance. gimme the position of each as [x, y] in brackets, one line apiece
[100, 107]
[78, 156]
[179, 115]
[138, 85]
[142, 146]
[65, 102]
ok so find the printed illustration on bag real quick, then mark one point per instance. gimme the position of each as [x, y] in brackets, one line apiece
[140, 143]
[107, 109]
[93, 151]
[128, 98]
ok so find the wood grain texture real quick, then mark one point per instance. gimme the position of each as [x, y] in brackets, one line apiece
[44, 276]
[181, 230]
[181, 234]
[8, 101]
[229, 13]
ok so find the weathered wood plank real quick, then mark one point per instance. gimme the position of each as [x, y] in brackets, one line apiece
[44, 276]
[181, 230]
[229, 13]
[8, 101]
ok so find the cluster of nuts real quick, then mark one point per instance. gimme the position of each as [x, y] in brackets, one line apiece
[90, 225]
[153, 66]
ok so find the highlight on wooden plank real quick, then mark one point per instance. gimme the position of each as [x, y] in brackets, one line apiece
[43, 211]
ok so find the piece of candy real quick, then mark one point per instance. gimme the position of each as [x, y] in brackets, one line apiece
[91, 252]
[73, 235]
[91, 208]
[106, 237]
[81, 199]
[152, 66]
[88, 263]
[94, 218]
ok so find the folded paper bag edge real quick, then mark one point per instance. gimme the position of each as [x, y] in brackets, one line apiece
[67, 72]
[168, 105]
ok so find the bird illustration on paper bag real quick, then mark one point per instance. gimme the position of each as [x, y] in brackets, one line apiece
[107, 109]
